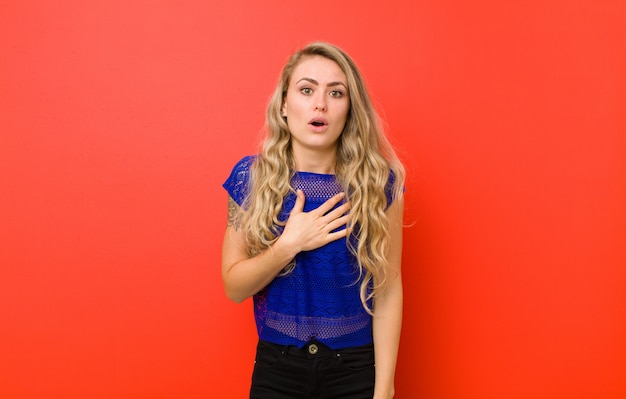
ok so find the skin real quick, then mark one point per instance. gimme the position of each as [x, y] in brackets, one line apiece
[318, 89]
[387, 321]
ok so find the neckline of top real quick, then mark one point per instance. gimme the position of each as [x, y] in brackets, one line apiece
[299, 172]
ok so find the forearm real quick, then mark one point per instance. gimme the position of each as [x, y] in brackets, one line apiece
[387, 324]
[245, 277]
[387, 308]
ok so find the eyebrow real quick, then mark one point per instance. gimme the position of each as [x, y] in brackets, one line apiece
[315, 82]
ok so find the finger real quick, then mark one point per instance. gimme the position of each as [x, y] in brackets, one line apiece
[330, 203]
[336, 235]
[337, 223]
[299, 205]
[337, 212]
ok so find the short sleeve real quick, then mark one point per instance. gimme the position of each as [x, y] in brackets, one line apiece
[237, 184]
[390, 188]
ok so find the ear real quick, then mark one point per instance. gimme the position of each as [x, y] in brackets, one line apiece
[283, 110]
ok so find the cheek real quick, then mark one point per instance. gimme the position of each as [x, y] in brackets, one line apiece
[293, 107]
[344, 122]
[345, 112]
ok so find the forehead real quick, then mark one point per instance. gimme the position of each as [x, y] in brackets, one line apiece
[319, 68]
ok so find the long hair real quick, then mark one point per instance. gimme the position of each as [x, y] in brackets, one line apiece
[363, 164]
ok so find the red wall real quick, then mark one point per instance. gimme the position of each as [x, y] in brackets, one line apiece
[119, 120]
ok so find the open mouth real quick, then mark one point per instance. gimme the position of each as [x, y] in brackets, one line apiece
[318, 122]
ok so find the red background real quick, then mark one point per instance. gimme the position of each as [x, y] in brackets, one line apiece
[119, 120]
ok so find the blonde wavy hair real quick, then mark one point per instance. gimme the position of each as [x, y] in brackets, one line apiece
[363, 164]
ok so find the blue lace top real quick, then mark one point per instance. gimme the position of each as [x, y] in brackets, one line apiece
[319, 299]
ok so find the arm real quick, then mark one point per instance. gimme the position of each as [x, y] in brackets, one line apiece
[244, 276]
[388, 309]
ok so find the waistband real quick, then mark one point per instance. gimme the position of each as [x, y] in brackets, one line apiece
[314, 348]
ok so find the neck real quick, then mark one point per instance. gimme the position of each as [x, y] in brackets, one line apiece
[315, 162]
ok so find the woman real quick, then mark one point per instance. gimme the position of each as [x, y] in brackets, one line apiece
[315, 236]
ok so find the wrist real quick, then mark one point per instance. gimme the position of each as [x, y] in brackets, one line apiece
[285, 250]
[384, 389]
[384, 395]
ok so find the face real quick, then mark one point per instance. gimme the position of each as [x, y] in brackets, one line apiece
[316, 105]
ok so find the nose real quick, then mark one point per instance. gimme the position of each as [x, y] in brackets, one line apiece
[320, 103]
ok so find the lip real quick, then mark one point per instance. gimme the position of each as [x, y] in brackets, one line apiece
[318, 124]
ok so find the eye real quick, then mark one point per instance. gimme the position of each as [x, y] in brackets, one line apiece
[306, 90]
[336, 93]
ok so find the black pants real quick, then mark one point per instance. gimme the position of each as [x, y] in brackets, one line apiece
[312, 372]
